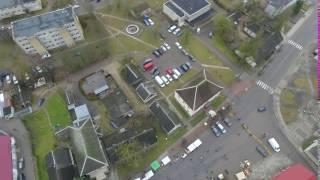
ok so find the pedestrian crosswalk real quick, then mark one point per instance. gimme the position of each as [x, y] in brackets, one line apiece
[265, 86]
[295, 44]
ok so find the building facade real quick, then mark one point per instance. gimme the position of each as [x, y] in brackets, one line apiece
[9, 8]
[39, 34]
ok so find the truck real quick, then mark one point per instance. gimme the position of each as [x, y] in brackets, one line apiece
[193, 146]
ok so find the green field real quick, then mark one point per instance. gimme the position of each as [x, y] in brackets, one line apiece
[224, 77]
[42, 138]
[289, 107]
[198, 118]
[57, 110]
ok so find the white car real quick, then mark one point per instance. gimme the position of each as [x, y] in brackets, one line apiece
[175, 32]
[14, 79]
[175, 77]
[176, 72]
[169, 77]
[151, 22]
[8, 79]
[220, 127]
[274, 144]
[163, 48]
[167, 46]
[165, 80]
[172, 28]
[178, 45]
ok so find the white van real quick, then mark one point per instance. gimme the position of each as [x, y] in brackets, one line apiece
[176, 72]
[274, 144]
[159, 81]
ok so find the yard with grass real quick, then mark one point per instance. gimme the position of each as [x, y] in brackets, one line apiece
[57, 111]
[229, 5]
[301, 82]
[92, 28]
[219, 44]
[218, 101]
[224, 77]
[289, 107]
[178, 107]
[198, 118]
[42, 138]
[13, 58]
[144, 159]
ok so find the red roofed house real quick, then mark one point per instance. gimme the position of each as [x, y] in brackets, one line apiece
[295, 172]
[6, 170]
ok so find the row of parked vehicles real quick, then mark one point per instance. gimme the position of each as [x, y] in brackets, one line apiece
[160, 51]
[218, 129]
[184, 52]
[175, 30]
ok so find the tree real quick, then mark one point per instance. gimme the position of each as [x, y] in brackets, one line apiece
[223, 28]
[250, 48]
[297, 7]
[128, 151]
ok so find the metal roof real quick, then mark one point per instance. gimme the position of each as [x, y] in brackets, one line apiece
[191, 6]
[174, 9]
[6, 158]
[12, 3]
[30, 26]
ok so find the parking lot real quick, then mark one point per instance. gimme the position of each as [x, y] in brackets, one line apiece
[172, 57]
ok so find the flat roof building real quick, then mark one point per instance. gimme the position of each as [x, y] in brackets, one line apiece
[38, 34]
[9, 8]
[6, 165]
[186, 10]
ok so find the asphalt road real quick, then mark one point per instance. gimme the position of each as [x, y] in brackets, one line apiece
[226, 152]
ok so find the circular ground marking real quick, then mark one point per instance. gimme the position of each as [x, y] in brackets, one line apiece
[132, 29]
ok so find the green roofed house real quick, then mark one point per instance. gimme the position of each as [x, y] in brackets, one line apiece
[155, 165]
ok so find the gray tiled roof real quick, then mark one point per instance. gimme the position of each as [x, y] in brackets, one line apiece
[133, 75]
[12, 3]
[279, 3]
[144, 91]
[30, 26]
[174, 9]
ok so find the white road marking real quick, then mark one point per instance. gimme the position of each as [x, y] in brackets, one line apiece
[295, 44]
[265, 86]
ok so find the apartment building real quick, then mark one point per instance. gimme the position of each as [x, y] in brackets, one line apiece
[9, 8]
[39, 34]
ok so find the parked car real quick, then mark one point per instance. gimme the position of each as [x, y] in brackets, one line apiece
[41, 101]
[178, 45]
[184, 67]
[150, 21]
[220, 127]
[163, 48]
[156, 53]
[169, 71]
[14, 79]
[165, 80]
[215, 131]
[148, 66]
[172, 28]
[189, 65]
[191, 58]
[175, 32]
[21, 163]
[274, 144]
[154, 70]
[22, 176]
[227, 122]
[261, 109]
[146, 22]
[176, 72]
[175, 77]
[262, 151]
[147, 61]
[179, 33]
[159, 81]
[169, 77]
[160, 51]
[184, 52]
[180, 70]
[167, 46]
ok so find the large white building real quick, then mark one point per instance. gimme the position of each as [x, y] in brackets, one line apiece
[188, 11]
[38, 34]
[9, 8]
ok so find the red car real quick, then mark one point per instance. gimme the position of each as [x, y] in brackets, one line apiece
[148, 66]
[169, 71]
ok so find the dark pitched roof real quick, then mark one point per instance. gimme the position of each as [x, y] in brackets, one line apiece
[174, 9]
[235, 16]
[253, 27]
[199, 92]
[145, 92]
[60, 164]
[271, 41]
[168, 120]
[133, 75]
[191, 6]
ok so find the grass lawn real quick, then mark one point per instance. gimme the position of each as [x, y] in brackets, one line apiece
[57, 110]
[289, 107]
[151, 36]
[61, 3]
[308, 142]
[104, 117]
[224, 77]
[179, 108]
[123, 44]
[42, 138]
[301, 82]
[198, 118]
[218, 101]
[145, 158]
[13, 58]
[116, 23]
[199, 50]
[93, 30]
[229, 4]
[167, 90]
[219, 44]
